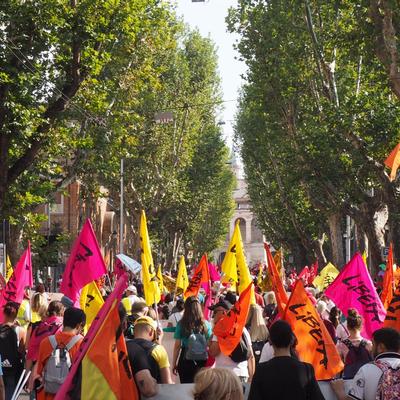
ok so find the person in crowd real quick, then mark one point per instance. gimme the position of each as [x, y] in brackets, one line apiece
[144, 349]
[191, 336]
[24, 311]
[335, 317]
[130, 299]
[369, 382]
[284, 377]
[2, 391]
[175, 317]
[217, 384]
[139, 309]
[39, 306]
[322, 310]
[12, 348]
[270, 309]
[259, 298]
[74, 321]
[243, 365]
[152, 313]
[355, 351]
[258, 330]
[50, 325]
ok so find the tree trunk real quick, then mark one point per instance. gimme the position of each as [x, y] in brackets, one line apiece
[394, 225]
[319, 249]
[336, 238]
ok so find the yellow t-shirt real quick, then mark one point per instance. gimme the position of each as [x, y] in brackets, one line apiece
[160, 355]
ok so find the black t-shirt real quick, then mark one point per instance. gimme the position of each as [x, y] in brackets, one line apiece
[137, 357]
[284, 378]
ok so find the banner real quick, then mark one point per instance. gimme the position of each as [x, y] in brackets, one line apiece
[214, 274]
[182, 280]
[393, 162]
[260, 274]
[327, 275]
[388, 280]
[85, 264]
[200, 275]
[20, 278]
[392, 319]
[103, 358]
[278, 259]
[353, 288]
[160, 279]
[169, 283]
[277, 285]
[119, 268]
[313, 273]
[315, 344]
[230, 327]
[9, 269]
[150, 284]
[91, 302]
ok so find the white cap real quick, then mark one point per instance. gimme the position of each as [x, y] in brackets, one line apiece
[132, 289]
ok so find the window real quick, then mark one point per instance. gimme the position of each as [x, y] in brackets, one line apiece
[58, 206]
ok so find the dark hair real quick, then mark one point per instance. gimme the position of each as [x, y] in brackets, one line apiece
[180, 305]
[193, 317]
[354, 319]
[281, 334]
[55, 308]
[231, 297]
[389, 337]
[11, 309]
[334, 315]
[73, 317]
[138, 306]
[40, 288]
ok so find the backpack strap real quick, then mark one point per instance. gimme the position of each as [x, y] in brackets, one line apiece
[53, 341]
[73, 342]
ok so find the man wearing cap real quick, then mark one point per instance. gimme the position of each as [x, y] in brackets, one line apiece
[145, 353]
[130, 299]
[244, 369]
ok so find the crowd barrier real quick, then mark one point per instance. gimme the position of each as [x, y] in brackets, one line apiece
[184, 391]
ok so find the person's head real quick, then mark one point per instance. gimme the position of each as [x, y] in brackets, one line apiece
[74, 319]
[139, 308]
[55, 309]
[220, 309]
[192, 316]
[27, 292]
[385, 340]
[354, 320]
[334, 316]
[270, 298]
[145, 328]
[231, 297]
[217, 384]
[180, 305]
[40, 288]
[131, 290]
[10, 311]
[281, 335]
[258, 329]
[321, 308]
[39, 304]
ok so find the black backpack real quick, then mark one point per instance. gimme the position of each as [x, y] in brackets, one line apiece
[242, 352]
[356, 357]
[148, 347]
[11, 361]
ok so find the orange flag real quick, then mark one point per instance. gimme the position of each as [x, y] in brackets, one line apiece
[200, 275]
[392, 319]
[388, 279]
[230, 327]
[393, 162]
[277, 285]
[315, 344]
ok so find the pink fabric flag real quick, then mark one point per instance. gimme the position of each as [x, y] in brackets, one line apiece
[116, 294]
[21, 278]
[214, 274]
[353, 288]
[85, 264]
[119, 268]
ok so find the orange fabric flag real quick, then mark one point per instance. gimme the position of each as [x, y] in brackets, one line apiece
[230, 327]
[388, 279]
[200, 275]
[393, 162]
[392, 319]
[315, 344]
[277, 285]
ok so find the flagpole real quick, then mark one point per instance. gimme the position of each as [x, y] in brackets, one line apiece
[121, 217]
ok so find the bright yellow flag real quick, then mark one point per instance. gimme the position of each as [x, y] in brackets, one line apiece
[91, 301]
[364, 257]
[260, 275]
[169, 283]
[278, 262]
[150, 284]
[160, 279]
[234, 266]
[9, 269]
[325, 277]
[182, 281]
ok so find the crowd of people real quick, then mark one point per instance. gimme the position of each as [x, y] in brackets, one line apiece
[38, 330]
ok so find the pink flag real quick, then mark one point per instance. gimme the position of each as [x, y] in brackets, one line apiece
[85, 264]
[116, 294]
[313, 273]
[353, 288]
[21, 277]
[214, 274]
[119, 268]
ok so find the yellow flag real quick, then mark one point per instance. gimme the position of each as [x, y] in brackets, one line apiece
[182, 281]
[169, 283]
[91, 301]
[325, 277]
[160, 279]
[234, 266]
[150, 284]
[9, 269]
[364, 257]
[260, 275]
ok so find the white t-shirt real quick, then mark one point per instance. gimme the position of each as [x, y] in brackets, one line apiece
[133, 299]
[342, 332]
[223, 361]
[267, 353]
[365, 383]
[175, 318]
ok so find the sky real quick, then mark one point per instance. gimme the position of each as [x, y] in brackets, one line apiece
[209, 18]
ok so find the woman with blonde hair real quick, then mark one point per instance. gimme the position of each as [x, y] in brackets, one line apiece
[39, 306]
[258, 330]
[217, 384]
